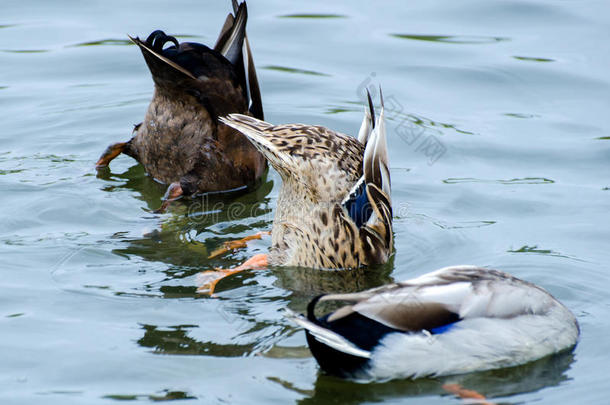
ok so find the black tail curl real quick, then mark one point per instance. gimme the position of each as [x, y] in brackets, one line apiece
[157, 40]
[311, 316]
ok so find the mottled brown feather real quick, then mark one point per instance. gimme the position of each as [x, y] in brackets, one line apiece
[319, 167]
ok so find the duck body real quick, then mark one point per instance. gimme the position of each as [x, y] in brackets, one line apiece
[455, 320]
[180, 139]
[333, 209]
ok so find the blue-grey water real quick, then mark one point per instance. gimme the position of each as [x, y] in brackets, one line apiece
[499, 149]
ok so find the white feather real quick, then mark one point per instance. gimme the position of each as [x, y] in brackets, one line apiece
[365, 127]
[328, 337]
[475, 344]
[381, 154]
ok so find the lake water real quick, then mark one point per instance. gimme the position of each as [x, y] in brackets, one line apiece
[499, 150]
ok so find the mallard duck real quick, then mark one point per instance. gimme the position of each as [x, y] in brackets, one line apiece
[334, 209]
[180, 142]
[454, 320]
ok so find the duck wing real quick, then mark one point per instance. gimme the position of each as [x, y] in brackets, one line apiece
[444, 296]
[369, 203]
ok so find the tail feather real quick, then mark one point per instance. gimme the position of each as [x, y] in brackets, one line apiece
[254, 92]
[224, 32]
[231, 41]
[368, 121]
[377, 233]
[243, 55]
[256, 131]
[376, 167]
[369, 201]
[253, 128]
[328, 337]
[157, 62]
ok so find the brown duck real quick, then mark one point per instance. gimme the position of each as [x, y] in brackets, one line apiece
[181, 142]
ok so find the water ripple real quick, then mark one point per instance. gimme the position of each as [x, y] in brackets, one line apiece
[524, 180]
[452, 39]
[110, 41]
[295, 70]
[312, 16]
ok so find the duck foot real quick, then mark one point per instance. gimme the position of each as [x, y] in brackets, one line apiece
[236, 244]
[174, 191]
[472, 396]
[110, 153]
[208, 279]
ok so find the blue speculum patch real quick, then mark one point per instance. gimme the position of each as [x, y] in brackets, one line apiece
[442, 329]
[358, 206]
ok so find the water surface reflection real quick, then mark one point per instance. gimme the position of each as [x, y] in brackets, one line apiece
[547, 372]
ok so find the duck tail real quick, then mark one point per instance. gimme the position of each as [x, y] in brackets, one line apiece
[335, 354]
[316, 332]
[311, 316]
[264, 139]
[376, 234]
[376, 166]
[233, 44]
[231, 39]
[158, 64]
[368, 121]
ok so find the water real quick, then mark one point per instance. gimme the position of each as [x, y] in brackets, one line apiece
[499, 148]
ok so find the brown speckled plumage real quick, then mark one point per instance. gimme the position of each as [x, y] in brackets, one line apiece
[319, 169]
[180, 138]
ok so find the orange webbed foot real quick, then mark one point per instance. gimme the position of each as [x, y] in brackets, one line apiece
[236, 244]
[110, 153]
[174, 191]
[466, 394]
[207, 280]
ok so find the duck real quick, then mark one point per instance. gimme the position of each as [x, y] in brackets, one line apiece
[455, 320]
[180, 142]
[334, 208]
